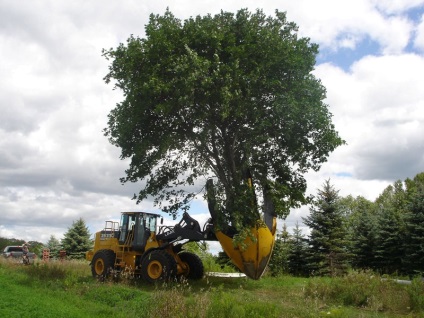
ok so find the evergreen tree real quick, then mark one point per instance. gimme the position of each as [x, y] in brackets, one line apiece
[364, 241]
[392, 206]
[278, 263]
[327, 241]
[76, 240]
[414, 236]
[389, 248]
[53, 244]
[297, 256]
[361, 229]
[413, 186]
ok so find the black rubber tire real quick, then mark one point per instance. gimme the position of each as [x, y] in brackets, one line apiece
[103, 263]
[158, 265]
[194, 264]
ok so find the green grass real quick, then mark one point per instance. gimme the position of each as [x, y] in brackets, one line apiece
[66, 289]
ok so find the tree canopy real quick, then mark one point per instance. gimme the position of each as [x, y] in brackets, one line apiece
[221, 96]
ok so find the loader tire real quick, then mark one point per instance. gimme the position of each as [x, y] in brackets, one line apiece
[158, 265]
[194, 264]
[103, 263]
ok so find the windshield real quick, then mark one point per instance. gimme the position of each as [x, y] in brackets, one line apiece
[13, 249]
[151, 222]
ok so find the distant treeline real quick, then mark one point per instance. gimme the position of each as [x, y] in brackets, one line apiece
[386, 235]
[35, 247]
[75, 243]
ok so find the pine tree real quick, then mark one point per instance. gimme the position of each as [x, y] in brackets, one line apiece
[278, 263]
[414, 236]
[297, 256]
[361, 229]
[364, 242]
[76, 240]
[327, 240]
[389, 250]
[53, 244]
[392, 206]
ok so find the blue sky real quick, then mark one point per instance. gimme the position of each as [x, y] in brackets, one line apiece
[344, 57]
[56, 165]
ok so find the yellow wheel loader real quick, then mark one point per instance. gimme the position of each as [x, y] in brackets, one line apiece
[140, 246]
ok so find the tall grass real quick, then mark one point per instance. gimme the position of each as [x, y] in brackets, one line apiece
[416, 294]
[67, 289]
[366, 290]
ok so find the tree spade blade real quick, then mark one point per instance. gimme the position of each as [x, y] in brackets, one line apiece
[251, 256]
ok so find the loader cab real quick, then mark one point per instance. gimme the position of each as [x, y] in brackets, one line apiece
[136, 228]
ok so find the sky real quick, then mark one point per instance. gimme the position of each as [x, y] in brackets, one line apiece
[56, 166]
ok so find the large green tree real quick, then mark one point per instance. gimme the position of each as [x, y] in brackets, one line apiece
[224, 96]
[76, 240]
[328, 239]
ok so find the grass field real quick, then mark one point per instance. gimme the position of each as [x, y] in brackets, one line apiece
[66, 289]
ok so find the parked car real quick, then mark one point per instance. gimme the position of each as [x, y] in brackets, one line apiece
[16, 252]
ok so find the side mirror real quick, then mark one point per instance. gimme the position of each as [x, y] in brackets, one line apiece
[161, 220]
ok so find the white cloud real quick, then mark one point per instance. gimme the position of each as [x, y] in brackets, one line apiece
[56, 165]
[392, 33]
[378, 108]
[336, 24]
[396, 6]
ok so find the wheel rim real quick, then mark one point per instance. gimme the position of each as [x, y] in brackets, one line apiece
[154, 270]
[99, 267]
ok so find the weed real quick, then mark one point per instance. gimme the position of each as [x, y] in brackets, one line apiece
[416, 294]
[360, 289]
